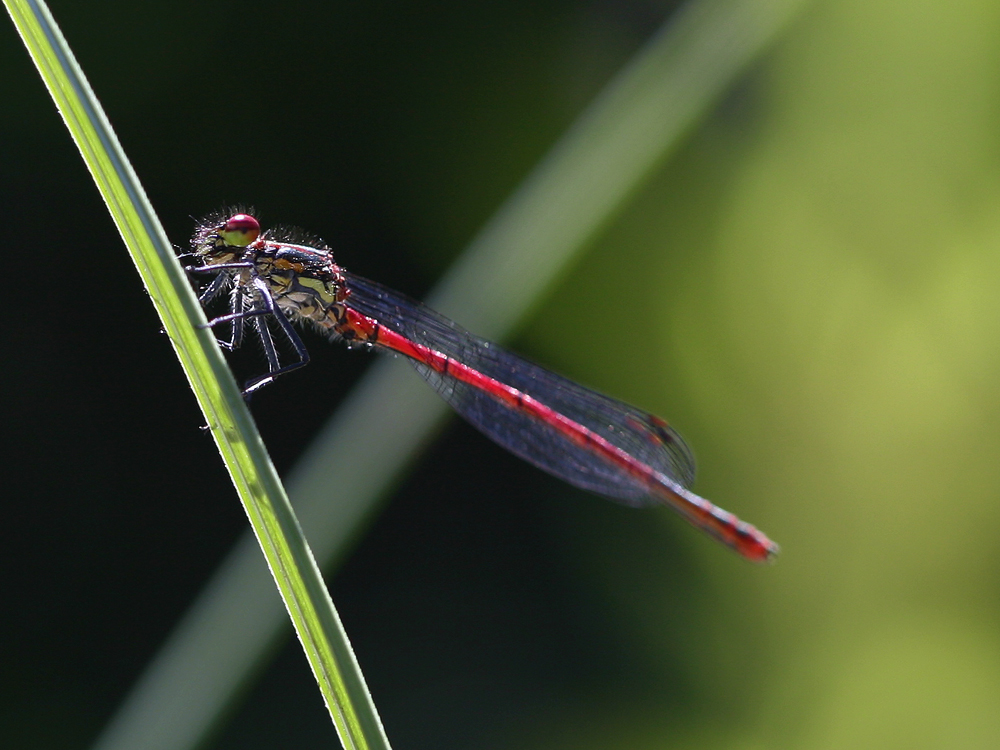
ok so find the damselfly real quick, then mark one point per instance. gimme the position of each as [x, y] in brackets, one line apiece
[588, 439]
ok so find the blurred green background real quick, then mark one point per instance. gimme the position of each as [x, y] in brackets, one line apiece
[807, 290]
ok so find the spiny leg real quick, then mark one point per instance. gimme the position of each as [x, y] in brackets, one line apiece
[266, 298]
[241, 309]
[209, 292]
[236, 303]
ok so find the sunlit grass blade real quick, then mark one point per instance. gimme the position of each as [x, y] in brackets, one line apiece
[581, 185]
[271, 517]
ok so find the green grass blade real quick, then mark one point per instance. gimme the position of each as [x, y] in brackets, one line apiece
[285, 549]
[583, 183]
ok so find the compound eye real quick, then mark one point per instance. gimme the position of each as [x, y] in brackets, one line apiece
[240, 230]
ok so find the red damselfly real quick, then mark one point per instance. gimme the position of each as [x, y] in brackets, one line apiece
[588, 439]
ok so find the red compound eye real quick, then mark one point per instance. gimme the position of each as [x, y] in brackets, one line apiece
[240, 230]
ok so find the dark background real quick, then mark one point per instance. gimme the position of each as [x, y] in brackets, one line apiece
[807, 290]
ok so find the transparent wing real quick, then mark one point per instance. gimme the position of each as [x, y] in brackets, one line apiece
[640, 434]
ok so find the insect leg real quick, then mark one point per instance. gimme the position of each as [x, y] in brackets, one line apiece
[275, 369]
